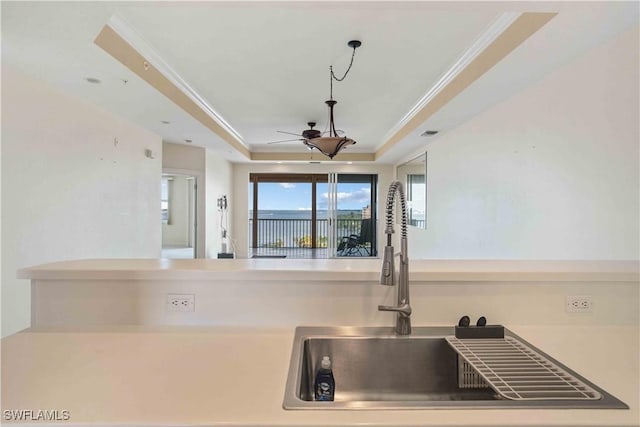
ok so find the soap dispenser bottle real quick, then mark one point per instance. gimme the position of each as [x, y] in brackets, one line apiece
[325, 384]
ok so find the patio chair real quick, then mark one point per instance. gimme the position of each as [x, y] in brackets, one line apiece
[357, 244]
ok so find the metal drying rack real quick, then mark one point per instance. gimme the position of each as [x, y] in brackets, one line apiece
[517, 372]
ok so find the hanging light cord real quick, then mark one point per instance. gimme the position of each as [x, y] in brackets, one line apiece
[332, 76]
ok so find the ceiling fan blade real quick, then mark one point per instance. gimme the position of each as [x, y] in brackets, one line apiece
[288, 133]
[285, 140]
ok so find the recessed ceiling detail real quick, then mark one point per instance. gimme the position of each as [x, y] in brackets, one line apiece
[121, 50]
[311, 156]
[513, 36]
[485, 39]
[505, 34]
[230, 75]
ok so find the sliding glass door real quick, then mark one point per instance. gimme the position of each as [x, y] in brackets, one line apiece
[351, 214]
[283, 219]
[312, 215]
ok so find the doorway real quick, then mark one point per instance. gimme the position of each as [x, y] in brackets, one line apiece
[179, 224]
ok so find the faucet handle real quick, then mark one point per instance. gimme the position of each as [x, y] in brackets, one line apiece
[404, 309]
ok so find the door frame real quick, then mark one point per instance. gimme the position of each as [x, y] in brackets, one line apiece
[199, 247]
[333, 180]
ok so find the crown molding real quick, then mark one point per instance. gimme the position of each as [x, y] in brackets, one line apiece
[312, 156]
[136, 43]
[490, 34]
[505, 34]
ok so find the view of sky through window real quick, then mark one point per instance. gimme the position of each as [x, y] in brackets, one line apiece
[297, 196]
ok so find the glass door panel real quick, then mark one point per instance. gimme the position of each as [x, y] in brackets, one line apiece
[353, 218]
[323, 215]
[284, 215]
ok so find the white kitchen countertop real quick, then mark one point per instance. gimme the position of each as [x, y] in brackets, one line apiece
[236, 376]
[333, 270]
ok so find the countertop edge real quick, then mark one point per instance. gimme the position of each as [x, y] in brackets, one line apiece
[335, 270]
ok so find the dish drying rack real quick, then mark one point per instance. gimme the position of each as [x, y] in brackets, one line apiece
[515, 371]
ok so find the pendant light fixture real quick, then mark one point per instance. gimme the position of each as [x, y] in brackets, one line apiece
[331, 144]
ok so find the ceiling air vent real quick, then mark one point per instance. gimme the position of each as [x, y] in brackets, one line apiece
[429, 133]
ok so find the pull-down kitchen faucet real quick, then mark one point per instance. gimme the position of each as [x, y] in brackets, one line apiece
[387, 277]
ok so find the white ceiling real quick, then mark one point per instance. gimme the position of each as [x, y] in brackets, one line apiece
[264, 66]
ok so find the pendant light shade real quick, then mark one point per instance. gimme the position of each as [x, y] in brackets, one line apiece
[332, 144]
[329, 145]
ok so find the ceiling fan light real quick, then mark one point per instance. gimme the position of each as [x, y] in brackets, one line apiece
[332, 144]
[329, 145]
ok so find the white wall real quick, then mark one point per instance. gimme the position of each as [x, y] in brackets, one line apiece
[183, 157]
[240, 203]
[552, 173]
[69, 191]
[218, 178]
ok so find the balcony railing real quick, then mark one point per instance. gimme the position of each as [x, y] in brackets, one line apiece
[296, 233]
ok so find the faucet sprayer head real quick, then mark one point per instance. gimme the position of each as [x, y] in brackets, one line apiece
[387, 276]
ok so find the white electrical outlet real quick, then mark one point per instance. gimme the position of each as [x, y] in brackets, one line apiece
[579, 304]
[181, 302]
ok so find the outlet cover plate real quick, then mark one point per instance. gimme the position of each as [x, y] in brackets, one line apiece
[181, 302]
[579, 304]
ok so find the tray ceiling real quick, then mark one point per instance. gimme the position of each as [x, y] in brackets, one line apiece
[263, 67]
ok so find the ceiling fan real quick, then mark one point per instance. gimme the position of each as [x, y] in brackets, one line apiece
[328, 145]
[306, 134]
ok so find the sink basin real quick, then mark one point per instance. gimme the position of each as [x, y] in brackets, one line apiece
[379, 369]
[376, 369]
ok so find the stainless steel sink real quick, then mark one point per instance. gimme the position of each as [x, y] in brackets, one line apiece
[376, 369]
